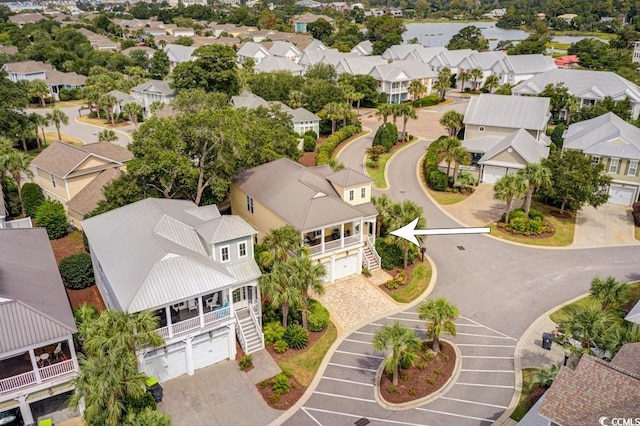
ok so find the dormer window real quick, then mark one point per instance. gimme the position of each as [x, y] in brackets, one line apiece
[242, 250]
[363, 192]
[224, 254]
[352, 195]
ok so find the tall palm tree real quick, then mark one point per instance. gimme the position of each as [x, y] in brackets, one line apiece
[108, 102]
[309, 277]
[40, 121]
[332, 111]
[460, 157]
[123, 330]
[491, 83]
[573, 105]
[281, 287]
[57, 117]
[407, 111]
[439, 314]
[402, 342]
[507, 188]
[395, 112]
[39, 89]
[347, 113]
[416, 89]
[449, 149]
[476, 76]
[280, 243]
[443, 83]
[357, 97]
[588, 325]
[452, 121]
[463, 75]
[17, 164]
[296, 99]
[384, 111]
[382, 204]
[608, 291]
[401, 214]
[107, 135]
[537, 176]
[133, 109]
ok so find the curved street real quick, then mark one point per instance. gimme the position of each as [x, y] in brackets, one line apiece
[500, 288]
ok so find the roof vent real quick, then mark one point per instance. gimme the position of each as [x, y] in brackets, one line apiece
[320, 194]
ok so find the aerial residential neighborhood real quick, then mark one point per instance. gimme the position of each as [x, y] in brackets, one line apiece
[253, 213]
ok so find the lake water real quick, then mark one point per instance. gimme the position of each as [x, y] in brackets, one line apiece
[439, 33]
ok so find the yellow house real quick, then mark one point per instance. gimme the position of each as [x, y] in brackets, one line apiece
[332, 211]
[75, 175]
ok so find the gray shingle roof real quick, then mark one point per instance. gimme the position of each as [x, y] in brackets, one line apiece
[348, 177]
[33, 303]
[513, 112]
[250, 49]
[278, 63]
[281, 48]
[248, 100]
[302, 114]
[87, 199]
[607, 135]
[521, 142]
[152, 253]
[155, 86]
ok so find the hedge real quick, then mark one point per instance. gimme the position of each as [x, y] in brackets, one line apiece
[438, 180]
[32, 197]
[427, 101]
[326, 149]
[393, 256]
[317, 316]
[77, 271]
[51, 215]
[309, 143]
[386, 136]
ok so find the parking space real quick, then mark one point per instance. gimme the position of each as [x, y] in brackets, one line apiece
[480, 395]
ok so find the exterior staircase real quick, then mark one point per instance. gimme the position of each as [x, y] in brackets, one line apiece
[248, 332]
[371, 258]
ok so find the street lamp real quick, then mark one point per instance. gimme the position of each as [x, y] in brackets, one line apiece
[567, 354]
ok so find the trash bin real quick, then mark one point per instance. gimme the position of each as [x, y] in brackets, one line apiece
[547, 339]
[154, 388]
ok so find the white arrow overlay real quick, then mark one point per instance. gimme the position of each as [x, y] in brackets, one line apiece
[409, 231]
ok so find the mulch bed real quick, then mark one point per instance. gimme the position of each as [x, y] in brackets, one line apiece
[90, 296]
[313, 338]
[531, 237]
[394, 272]
[565, 215]
[414, 382]
[67, 245]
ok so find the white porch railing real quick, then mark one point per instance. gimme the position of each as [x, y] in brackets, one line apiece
[240, 334]
[194, 323]
[335, 244]
[57, 369]
[372, 247]
[256, 322]
[17, 382]
[217, 315]
[29, 378]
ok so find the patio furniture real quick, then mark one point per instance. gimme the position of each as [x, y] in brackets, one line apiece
[44, 358]
[57, 350]
[212, 302]
[193, 305]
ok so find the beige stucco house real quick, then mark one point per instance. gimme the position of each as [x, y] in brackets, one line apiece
[75, 175]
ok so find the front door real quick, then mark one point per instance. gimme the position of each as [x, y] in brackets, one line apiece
[241, 298]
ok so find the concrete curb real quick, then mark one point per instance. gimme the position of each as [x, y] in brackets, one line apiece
[437, 394]
[125, 134]
[517, 358]
[386, 166]
[365, 132]
[325, 361]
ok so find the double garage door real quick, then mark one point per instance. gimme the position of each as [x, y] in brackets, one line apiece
[173, 363]
[622, 195]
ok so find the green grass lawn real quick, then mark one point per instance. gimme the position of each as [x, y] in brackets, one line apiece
[446, 198]
[420, 280]
[377, 174]
[304, 366]
[637, 232]
[523, 405]
[563, 237]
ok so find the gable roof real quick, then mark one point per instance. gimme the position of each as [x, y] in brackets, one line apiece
[88, 198]
[302, 114]
[153, 252]
[634, 314]
[357, 65]
[178, 53]
[514, 112]
[521, 142]
[246, 99]
[250, 50]
[363, 48]
[347, 177]
[155, 86]
[278, 63]
[61, 158]
[301, 196]
[27, 67]
[482, 60]
[528, 64]
[33, 303]
[607, 135]
[309, 17]
[281, 48]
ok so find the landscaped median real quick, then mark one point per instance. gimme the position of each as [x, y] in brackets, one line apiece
[377, 170]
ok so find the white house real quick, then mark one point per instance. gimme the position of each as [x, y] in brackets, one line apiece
[255, 51]
[152, 91]
[363, 48]
[178, 54]
[278, 63]
[37, 70]
[513, 69]
[283, 49]
[394, 78]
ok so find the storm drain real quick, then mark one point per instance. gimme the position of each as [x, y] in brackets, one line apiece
[362, 422]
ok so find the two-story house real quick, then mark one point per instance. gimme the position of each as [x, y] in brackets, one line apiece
[152, 91]
[178, 54]
[611, 141]
[193, 267]
[394, 78]
[75, 175]
[37, 355]
[37, 70]
[505, 133]
[284, 49]
[332, 211]
[300, 22]
[255, 51]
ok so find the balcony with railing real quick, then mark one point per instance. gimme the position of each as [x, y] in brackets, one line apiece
[333, 238]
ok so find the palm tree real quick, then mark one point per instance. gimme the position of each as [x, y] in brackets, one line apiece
[128, 331]
[332, 111]
[347, 113]
[439, 314]
[402, 342]
[39, 89]
[384, 111]
[507, 188]
[545, 377]
[108, 102]
[401, 214]
[537, 176]
[296, 99]
[463, 76]
[588, 325]
[382, 204]
[40, 122]
[357, 97]
[449, 150]
[573, 105]
[407, 111]
[416, 89]
[476, 74]
[281, 287]
[608, 291]
[92, 95]
[452, 121]
[619, 335]
[309, 277]
[460, 157]
[16, 164]
[491, 82]
[107, 135]
[132, 109]
[280, 244]
[395, 112]
[57, 117]
[443, 83]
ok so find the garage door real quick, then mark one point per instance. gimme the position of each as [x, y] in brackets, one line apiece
[491, 174]
[209, 350]
[166, 366]
[346, 266]
[327, 267]
[621, 195]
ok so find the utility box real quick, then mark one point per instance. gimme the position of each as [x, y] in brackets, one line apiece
[547, 340]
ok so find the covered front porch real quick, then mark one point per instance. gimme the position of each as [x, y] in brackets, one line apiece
[338, 236]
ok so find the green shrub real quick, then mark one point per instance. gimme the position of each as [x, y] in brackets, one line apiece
[77, 271]
[437, 180]
[311, 133]
[431, 381]
[421, 365]
[427, 101]
[392, 389]
[393, 256]
[437, 371]
[392, 284]
[280, 384]
[273, 331]
[317, 316]
[246, 362]
[32, 198]
[309, 143]
[296, 336]
[445, 357]
[280, 346]
[386, 136]
[535, 214]
[50, 215]
[326, 149]
[427, 356]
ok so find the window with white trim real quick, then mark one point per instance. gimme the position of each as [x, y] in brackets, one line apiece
[250, 204]
[633, 168]
[363, 192]
[613, 165]
[242, 249]
[595, 159]
[352, 195]
[53, 181]
[224, 254]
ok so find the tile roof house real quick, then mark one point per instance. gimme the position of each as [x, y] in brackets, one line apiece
[300, 22]
[152, 91]
[75, 175]
[278, 63]
[193, 267]
[611, 141]
[505, 133]
[586, 85]
[36, 70]
[332, 211]
[594, 389]
[37, 354]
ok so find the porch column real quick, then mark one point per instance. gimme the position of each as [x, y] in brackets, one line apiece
[167, 312]
[25, 410]
[361, 227]
[35, 366]
[72, 353]
[322, 240]
[200, 311]
[333, 267]
[230, 300]
[342, 235]
[189, 354]
[232, 341]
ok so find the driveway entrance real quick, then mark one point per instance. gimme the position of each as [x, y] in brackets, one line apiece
[608, 225]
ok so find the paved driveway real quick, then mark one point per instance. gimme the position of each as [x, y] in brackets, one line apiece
[480, 208]
[608, 225]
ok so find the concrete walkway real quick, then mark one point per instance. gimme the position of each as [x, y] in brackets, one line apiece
[480, 208]
[608, 225]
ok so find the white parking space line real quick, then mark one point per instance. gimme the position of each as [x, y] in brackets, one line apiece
[473, 402]
[405, 319]
[489, 328]
[483, 335]
[344, 396]
[347, 381]
[455, 415]
[484, 386]
[487, 371]
[358, 341]
[357, 416]
[484, 346]
[468, 325]
[353, 368]
[486, 357]
[362, 332]
[357, 354]
[312, 418]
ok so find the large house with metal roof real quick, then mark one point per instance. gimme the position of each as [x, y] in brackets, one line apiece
[75, 175]
[611, 141]
[505, 133]
[37, 356]
[332, 211]
[189, 264]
